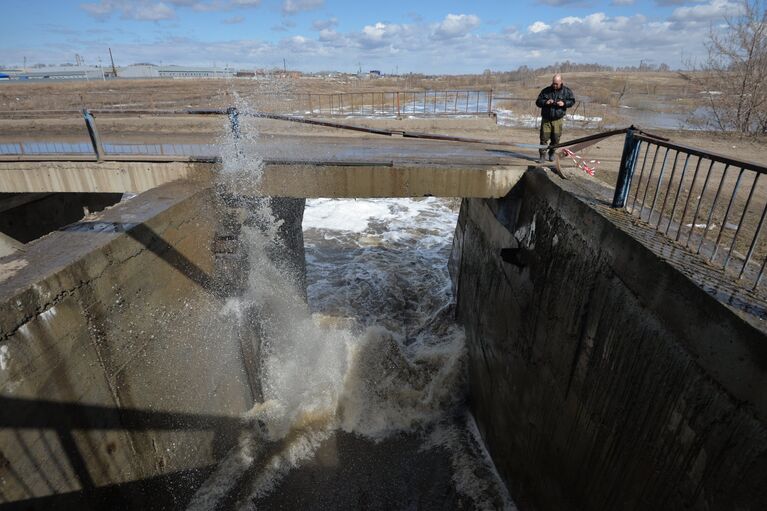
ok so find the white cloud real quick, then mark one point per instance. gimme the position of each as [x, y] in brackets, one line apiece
[142, 10]
[538, 26]
[234, 20]
[712, 10]
[377, 35]
[456, 25]
[324, 24]
[328, 34]
[296, 6]
[413, 46]
[152, 10]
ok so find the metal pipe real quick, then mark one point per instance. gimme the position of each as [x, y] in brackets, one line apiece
[639, 181]
[753, 243]
[727, 214]
[657, 187]
[626, 172]
[649, 178]
[490, 102]
[740, 222]
[668, 190]
[759, 277]
[676, 195]
[713, 205]
[689, 195]
[700, 201]
[90, 124]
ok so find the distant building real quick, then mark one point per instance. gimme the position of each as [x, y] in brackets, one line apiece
[245, 74]
[194, 72]
[58, 73]
[139, 71]
[153, 71]
[375, 73]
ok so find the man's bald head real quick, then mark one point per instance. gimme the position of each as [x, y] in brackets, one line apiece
[557, 81]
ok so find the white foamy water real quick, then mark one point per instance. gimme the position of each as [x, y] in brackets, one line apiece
[375, 352]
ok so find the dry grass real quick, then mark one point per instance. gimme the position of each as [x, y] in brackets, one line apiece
[600, 88]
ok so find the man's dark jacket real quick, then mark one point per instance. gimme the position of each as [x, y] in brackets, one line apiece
[553, 112]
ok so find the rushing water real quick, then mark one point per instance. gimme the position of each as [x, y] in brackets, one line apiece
[370, 373]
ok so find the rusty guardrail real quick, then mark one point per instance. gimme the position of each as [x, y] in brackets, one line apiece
[397, 103]
[712, 204]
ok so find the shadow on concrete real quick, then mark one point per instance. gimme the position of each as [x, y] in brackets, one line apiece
[152, 242]
[150, 494]
[28, 216]
[167, 491]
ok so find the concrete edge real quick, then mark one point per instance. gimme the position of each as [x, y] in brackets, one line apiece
[35, 275]
[729, 349]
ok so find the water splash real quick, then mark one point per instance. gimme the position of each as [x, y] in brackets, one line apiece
[387, 359]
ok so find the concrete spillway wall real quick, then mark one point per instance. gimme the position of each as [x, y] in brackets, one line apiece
[602, 378]
[118, 377]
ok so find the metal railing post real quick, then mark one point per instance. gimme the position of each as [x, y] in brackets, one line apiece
[399, 115]
[626, 171]
[490, 102]
[90, 124]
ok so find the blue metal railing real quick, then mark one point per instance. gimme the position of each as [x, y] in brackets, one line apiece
[711, 204]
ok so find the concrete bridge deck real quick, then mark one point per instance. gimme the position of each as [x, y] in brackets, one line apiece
[294, 167]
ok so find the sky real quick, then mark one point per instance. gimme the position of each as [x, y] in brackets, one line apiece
[393, 36]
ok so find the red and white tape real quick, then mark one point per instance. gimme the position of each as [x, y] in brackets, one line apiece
[588, 166]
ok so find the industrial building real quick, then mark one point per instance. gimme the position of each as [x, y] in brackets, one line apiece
[57, 73]
[153, 71]
[133, 71]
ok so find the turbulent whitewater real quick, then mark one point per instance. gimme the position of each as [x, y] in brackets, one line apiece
[370, 373]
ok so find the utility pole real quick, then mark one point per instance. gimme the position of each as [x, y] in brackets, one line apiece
[284, 67]
[114, 69]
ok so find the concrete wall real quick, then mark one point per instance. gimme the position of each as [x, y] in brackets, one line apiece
[602, 378]
[120, 379]
[298, 180]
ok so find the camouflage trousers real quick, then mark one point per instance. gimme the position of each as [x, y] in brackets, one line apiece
[551, 130]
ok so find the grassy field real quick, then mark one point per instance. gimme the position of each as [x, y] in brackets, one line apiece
[614, 89]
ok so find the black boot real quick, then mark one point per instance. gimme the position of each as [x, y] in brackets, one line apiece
[551, 154]
[542, 153]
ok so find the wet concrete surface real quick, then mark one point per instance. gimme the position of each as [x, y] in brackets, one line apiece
[352, 472]
[381, 149]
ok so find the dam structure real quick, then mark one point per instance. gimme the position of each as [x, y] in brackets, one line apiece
[400, 322]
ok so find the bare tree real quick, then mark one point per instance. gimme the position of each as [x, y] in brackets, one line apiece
[735, 73]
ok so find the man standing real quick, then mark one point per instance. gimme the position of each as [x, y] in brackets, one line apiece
[553, 101]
